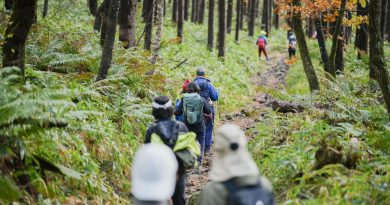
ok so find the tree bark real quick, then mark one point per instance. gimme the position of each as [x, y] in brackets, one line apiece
[340, 54]
[148, 24]
[194, 11]
[304, 51]
[210, 30]
[269, 16]
[103, 30]
[229, 16]
[221, 28]
[127, 22]
[180, 19]
[22, 18]
[108, 47]
[265, 18]
[242, 15]
[174, 11]
[159, 25]
[45, 8]
[202, 7]
[321, 44]
[361, 40]
[238, 14]
[383, 16]
[377, 58]
[276, 18]
[145, 7]
[98, 17]
[186, 7]
[252, 18]
[348, 29]
[92, 5]
[332, 56]
[387, 23]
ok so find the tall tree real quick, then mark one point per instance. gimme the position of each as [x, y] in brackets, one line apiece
[383, 16]
[377, 59]
[252, 18]
[303, 50]
[238, 14]
[92, 5]
[186, 7]
[127, 22]
[361, 40]
[22, 18]
[99, 16]
[339, 60]
[105, 20]
[159, 25]
[108, 47]
[387, 23]
[202, 7]
[265, 17]
[45, 8]
[276, 17]
[148, 24]
[174, 11]
[229, 16]
[221, 28]
[321, 44]
[194, 11]
[337, 28]
[210, 30]
[180, 19]
[243, 3]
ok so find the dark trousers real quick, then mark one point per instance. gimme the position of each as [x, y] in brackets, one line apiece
[262, 50]
[209, 130]
[291, 52]
[178, 197]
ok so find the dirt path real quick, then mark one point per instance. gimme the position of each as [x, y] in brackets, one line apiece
[273, 77]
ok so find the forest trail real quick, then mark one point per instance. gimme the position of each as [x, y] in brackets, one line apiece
[272, 77]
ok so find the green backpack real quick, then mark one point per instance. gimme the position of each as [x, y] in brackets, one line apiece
[186, 148]
[192, 107]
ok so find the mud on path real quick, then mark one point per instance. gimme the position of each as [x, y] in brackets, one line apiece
[273, 78]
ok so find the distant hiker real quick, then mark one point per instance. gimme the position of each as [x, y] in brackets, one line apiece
[153, 175]
[234, 176]
[208, 92]
[262, 43]
[291, 45]
[193, 106]
[168, 131]
[183, 90]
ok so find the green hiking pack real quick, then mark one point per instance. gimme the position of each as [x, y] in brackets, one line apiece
[186, 148]
[193, 107]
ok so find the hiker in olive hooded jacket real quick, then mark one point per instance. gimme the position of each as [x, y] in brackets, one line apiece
[167, 128]
[234, 176]
[193, 106]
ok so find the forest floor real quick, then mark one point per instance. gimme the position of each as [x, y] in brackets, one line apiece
[248, 116]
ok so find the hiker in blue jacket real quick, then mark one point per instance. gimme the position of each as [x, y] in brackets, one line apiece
[208, 92]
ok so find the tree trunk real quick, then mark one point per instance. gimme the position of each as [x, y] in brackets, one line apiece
[348, 29]
[180, 19]
[8, 4]
[242, 15]
[304, 51]
[92, 5]
[103, 30]
[174, 11]
[221, 28]
[148, 24]
[202, 7]
[98, 17]
[159, 25]
[321, 44]
[186, 7]
[229, 16]
[210, 31]
[45, 8]
[377, 58]
[276, 18]
[238, 14]
[265, 18]
[340, 54]
[269, 16]
[252, 18]
[108, 47]
[23, 14]
[387, 23]
[361, 40]
[332, 56]
[127, 22]
[194, 11]
[383, 16]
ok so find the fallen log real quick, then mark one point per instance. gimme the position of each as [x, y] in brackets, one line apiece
[286, 107]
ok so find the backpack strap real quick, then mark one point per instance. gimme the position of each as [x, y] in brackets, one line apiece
[232, 186]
